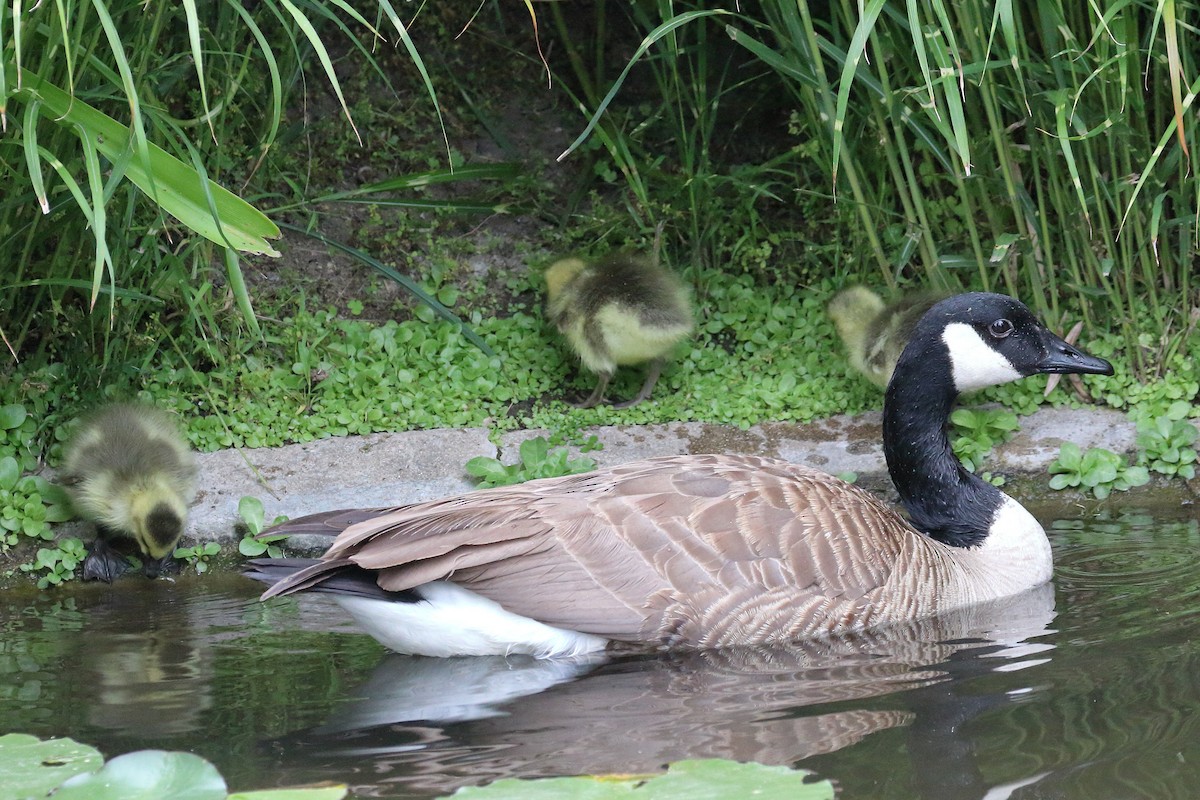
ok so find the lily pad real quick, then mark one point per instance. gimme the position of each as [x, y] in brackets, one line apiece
[336, 792]
[708, 779]
[31, 767]
[148, 775]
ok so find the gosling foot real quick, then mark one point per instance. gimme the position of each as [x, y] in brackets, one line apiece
[103, 563]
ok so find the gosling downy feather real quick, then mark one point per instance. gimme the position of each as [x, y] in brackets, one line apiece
[129, 470]
[709, 551]
[875, 333]
[619, 311]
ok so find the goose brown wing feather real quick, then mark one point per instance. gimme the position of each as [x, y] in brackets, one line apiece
[325, 523]
[307, 578]
[708, 550]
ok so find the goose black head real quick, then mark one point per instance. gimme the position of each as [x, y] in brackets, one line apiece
[992, 339]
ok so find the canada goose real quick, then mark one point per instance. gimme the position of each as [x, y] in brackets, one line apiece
[707, 551]
[619, 311]
[875, 333]
[129, 470]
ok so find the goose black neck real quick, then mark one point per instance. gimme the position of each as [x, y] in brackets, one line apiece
[942, 498]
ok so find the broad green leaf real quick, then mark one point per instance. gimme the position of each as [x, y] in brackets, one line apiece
[1070, 455]
[485, 467]
[533, 451]
[12, 416]
[148, 775]
[1061, 481]
[709, 779]
[250, 509]
[1137, 476]
[297, 793]
[10, 472]
[251, 548]
[31, 767]
[175, 186]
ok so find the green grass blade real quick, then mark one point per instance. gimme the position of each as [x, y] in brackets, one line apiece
[854, 54]
[193, 24]
[1004, 17]
[237, 285]
[658, 33]
[68, 53]
[140, 143]
[419, 62]
[1148, 169]
[268, 55]
[357, 17]
[98, 220]
[314, 39]
[1175, 68]
[918, 40]
[4, 86]
[411, 286]
[76, 283]
[455, 206]
[950, 82]
[33, 163]
[1062, 133]
[777, 61]
[179, 189]
[472, 172]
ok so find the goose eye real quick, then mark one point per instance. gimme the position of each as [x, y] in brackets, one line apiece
[1000, 328]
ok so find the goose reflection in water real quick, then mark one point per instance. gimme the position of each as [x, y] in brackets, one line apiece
[434, 724]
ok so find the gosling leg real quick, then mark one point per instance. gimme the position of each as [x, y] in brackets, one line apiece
[103, 563]
[597, 394]
[652, 374]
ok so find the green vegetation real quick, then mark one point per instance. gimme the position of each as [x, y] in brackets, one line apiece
[63, 768]
[197, 556]
[1165, 442]
[978, 430]
[1097, 470]
[537, 460]
[770, 153]
[707, 779]
[253, 519]
[67, 770]
[54, 565]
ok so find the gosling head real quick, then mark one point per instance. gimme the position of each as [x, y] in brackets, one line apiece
[158, 517]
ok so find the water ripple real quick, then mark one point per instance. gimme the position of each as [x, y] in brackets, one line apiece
[1128, 578]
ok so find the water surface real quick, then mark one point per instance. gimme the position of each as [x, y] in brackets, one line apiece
[1084, 689]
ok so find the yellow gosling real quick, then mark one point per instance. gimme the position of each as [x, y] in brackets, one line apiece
[620, 311]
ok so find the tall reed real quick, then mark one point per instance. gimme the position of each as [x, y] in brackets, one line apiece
[179, 99]
[1040, 148]
[1043, 149]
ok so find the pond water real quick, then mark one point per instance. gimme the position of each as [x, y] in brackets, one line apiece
[1086, 689]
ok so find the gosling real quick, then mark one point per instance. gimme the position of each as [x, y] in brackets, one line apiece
[622, 310]
[875, 333]
[129, 470]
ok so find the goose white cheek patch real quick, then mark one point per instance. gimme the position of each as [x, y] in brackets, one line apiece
[975, 364]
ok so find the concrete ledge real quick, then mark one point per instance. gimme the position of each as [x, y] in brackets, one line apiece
[397, 468]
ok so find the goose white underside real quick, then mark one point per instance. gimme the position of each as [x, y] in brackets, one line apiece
[1014, 557]
[453, 621]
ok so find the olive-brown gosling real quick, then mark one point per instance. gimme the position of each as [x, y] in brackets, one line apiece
[621, 310]
[875, 333]
[129, 470]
